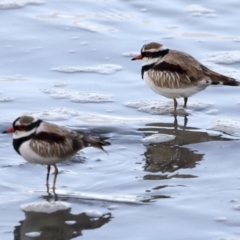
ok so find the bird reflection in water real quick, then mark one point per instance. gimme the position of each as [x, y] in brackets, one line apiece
[169, 157]
[57, 225]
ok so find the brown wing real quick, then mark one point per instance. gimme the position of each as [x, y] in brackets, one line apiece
[185, 61]
[186, 70]
[176, 70]
[55, 141]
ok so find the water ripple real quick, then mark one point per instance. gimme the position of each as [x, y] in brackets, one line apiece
[165, 107]
[8, 4]
[226, 125]
[102, 69]
[55, 114]
[198, 11]
[77, 96]
[226, 57]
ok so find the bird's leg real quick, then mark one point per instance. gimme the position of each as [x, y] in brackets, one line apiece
[48, 189]
[175, 123]
[175, 105]
[185, 102]
[185, 121]
[55, 176]
[48, 171]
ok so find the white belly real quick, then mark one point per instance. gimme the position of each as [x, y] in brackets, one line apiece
[175, 92]
[29, 155]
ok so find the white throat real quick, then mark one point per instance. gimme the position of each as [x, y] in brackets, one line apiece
[149, 61]
[21, 134]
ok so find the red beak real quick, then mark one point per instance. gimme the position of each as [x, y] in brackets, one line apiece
[139, 57]
[10, 130]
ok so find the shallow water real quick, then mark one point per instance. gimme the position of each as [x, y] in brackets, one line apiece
[163, 177]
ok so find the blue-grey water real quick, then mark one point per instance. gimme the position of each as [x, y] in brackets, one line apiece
[69, 62]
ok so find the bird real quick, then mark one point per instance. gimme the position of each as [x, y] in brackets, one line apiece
[45, 143]
[175, 74]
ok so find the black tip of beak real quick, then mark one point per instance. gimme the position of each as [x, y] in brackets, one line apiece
[4, 132]
[133, 59]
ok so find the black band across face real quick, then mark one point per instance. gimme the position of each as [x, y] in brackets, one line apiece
[157, 54]
[27, 127]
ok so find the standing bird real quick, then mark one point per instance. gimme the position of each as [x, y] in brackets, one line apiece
[41, 142]
[176, 74]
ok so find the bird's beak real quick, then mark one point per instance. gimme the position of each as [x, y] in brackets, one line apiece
[10, 130]
[139, 57]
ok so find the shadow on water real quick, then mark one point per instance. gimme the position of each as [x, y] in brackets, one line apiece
[169, 157]
[58, 225]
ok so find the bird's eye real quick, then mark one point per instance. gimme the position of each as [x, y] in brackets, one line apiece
[148, 54]
[22, 127]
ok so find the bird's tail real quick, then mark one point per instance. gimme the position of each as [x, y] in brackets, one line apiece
[219, 78]
[96, 142]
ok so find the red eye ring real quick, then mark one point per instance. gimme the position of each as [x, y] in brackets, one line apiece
[22, 127]
[148, 54]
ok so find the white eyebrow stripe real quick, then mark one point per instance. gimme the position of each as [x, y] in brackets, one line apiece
[154, 49]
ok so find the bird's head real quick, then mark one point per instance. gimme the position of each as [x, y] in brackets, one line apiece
[151, 53]
[23, 126]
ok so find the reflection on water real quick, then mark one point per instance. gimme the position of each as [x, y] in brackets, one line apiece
[171, 156]
[58, 225]
[167, 158]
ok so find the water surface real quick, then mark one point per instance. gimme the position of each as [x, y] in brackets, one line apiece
[69, 63]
